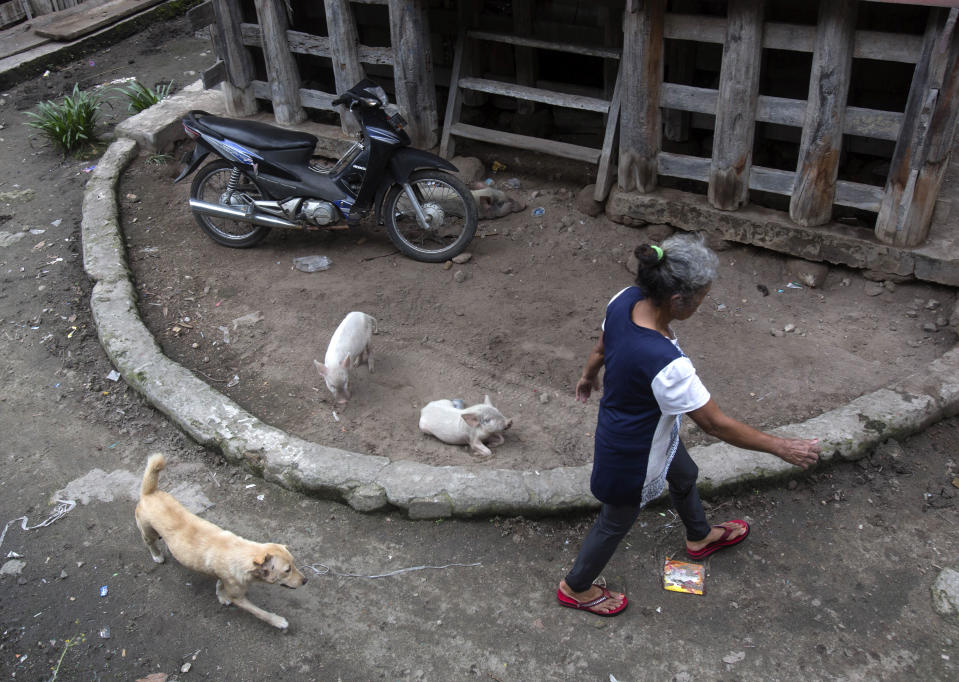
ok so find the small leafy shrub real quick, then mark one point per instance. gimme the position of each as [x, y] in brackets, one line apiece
[141, 97]
[70, 123]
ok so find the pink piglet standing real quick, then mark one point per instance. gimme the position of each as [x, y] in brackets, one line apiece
[349, 347]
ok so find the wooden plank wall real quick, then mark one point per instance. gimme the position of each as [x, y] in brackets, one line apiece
[922, 133]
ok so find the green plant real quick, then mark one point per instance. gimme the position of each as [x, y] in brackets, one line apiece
[67, 643]
[159, 159]
[70, 123]
[142, 97]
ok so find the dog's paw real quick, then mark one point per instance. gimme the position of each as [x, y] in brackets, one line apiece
[280, 622]
[159, 558]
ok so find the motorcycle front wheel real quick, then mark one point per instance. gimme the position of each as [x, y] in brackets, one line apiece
[441, 222]
[219, 183]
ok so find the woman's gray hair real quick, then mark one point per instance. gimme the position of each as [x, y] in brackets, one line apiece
[682, 265]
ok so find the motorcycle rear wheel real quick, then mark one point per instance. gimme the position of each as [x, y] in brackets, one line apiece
[212, 184]
[449, 210]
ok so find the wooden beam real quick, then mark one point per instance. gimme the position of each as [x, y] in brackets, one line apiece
[307, 43]
[773, 180]
[525, 57]
[922, 152]
[604, 174]
[535, 144]
[454, 100]
[882, 125]
[535, 94]
[214, 75]
[587, 50]
[280, 64]
[345, 55]
[736, 107]
[413, 70]
[815, 189]
[238, 64]
[201, 16]
[893, 47]
[640, 122]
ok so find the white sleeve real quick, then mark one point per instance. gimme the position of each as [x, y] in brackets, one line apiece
[678, 389]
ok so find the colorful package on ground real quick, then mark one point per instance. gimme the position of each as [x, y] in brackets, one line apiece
[679, 576]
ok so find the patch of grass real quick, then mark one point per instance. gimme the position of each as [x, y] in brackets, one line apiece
[69, 123]
[159, 159]
[141, 97]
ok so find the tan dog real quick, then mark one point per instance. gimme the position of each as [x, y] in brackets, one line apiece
[206, 548]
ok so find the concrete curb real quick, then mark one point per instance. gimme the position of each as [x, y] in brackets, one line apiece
[368, 483]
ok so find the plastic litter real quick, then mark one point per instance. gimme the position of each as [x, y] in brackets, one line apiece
[311, 263]
[105, 633]
[233, 382]
[56, 223]
[512, 183]
[113, 375]
[104, 590]
[679, 576]
[326, 570]
[89, 169]
[793, 285]
[63, 508]
[497, 166]
[488, 181]
[538, 211]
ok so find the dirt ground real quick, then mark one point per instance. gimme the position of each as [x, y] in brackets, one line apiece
[833, 582]
[518, 327]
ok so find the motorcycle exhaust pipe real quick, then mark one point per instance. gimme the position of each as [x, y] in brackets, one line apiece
[221, 211]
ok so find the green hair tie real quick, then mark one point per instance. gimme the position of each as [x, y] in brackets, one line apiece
[659, 252]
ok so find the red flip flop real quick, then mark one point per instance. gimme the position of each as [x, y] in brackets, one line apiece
[722, 542]
[591, 605]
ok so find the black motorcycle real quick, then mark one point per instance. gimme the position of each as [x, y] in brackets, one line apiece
[268, 177]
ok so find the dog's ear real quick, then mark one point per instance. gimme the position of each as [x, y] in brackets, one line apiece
[263, 568]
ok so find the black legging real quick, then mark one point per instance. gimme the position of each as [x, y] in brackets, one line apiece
[615, 521]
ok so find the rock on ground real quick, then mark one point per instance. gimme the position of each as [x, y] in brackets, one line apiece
[945, 594]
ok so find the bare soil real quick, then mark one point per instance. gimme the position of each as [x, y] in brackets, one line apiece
[515, 322]
[833, 582]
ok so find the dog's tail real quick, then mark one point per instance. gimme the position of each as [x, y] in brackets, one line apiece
[154, 466]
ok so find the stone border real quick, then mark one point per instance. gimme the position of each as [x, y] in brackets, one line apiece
[369, 483]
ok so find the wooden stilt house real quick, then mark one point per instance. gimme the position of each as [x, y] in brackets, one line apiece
[823, 110]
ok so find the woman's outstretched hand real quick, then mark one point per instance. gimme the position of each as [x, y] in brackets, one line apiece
[584, 388]
[799, 452]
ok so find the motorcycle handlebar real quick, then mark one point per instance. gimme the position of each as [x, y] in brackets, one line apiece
[351, 99]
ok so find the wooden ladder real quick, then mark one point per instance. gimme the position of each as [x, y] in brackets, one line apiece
[453, 127]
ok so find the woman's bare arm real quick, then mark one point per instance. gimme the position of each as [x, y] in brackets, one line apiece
[590, 378]
[799, 452]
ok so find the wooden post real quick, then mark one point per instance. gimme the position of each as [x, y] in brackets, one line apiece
[454, 101]
[525, 56]
[413, 70]
[228, 45]
[815, 186]
[736, 105]
[280, 66]
[641, 127]
[344, 45]
[925, 139]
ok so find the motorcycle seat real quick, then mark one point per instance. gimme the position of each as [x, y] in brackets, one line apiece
[258, 135]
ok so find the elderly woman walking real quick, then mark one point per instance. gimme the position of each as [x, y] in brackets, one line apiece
[647, 386]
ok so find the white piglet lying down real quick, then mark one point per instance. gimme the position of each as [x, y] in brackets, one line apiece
[349, 347]
[473, 425]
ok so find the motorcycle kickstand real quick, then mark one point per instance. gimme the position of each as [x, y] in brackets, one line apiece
[420, 216]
